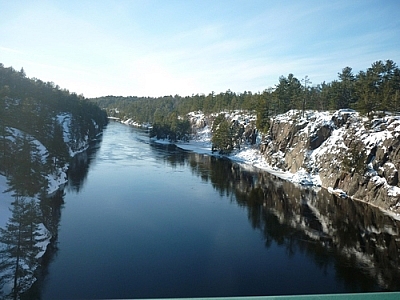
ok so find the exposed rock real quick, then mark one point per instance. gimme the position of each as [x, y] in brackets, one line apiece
[250, 135]
[357, 155]
[321, 135]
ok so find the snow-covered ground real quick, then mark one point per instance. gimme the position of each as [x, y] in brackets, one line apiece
[5, 214]
[247, 155]
[383, 128]
[59, 177]
[55, 181]
[133, 123]
[74, 146]
[250, 155]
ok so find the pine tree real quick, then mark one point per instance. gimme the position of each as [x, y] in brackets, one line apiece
[26, 179]
[58, 151]
[263, 112]
[288, 93]
[366, 89]
[19, 248]
[345, 95]
[389, 86]
[222, 139]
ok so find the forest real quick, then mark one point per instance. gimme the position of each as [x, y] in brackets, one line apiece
[375, 89]
[29, 110]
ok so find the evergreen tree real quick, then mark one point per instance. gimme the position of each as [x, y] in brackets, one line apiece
[58, 152]
[346, 89]
[222, 139]
[263, 112]
[395, 99]
[27, 177]
[19, 246]
[367, 92]
[389, 86]
[376, 88]
[288, 93]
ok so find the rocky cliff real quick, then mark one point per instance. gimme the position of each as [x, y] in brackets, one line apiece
[353, 155]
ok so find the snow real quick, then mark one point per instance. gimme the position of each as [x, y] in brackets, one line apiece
[196, 146]
[65, 119]
[338, 192]
[305, 178]
[376, 138]
[43, 153]
[133, 123]
[248, 155]
[378, 181]
[5, 215]
[57, 179]
[394, 191]
[5, 203]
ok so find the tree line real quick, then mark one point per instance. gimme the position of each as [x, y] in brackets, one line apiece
[33, 106]
[376, 88]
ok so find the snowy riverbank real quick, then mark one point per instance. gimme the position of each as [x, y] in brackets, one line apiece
[348, 154]
[15, 209]
[248, 154]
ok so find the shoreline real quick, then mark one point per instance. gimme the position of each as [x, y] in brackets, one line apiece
[301, 179]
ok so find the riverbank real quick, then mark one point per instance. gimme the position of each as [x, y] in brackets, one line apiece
[247, 155]
[320, 149]
[251, 157]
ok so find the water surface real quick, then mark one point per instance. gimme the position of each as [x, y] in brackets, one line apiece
[142, 220]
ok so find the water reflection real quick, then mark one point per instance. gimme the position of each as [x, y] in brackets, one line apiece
[360, 241]
[79, 166]
[34, 223]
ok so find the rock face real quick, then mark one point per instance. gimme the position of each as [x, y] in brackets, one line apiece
[245, 121]
[357, 155]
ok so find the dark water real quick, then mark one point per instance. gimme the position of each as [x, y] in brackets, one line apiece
[141, 220]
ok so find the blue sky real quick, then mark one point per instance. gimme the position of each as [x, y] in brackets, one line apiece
[157, 48]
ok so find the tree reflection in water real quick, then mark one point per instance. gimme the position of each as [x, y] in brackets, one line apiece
[360, 240]
[34, 223]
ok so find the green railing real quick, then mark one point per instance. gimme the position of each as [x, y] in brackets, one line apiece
[360, 296]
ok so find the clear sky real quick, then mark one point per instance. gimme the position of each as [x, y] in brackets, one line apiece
[166, 47]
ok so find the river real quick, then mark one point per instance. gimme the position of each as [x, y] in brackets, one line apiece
[142, 220]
